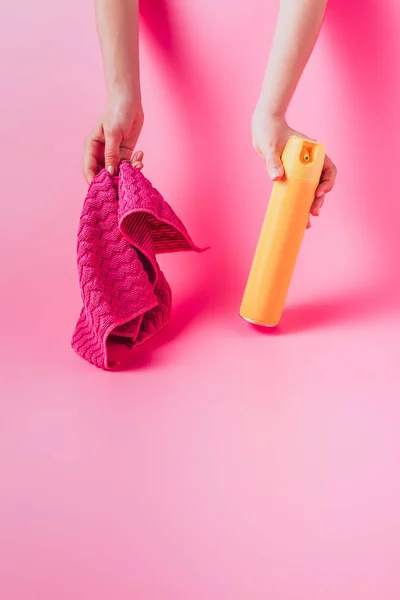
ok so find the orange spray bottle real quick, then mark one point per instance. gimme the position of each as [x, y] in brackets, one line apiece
[282, 232]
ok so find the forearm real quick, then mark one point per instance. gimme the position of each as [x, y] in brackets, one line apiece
[296, 33]
[118, 27]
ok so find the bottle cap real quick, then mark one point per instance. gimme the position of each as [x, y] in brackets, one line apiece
[303, 159]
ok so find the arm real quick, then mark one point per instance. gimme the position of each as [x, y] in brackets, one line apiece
[296, 33]
[115, 135]
[118, 28]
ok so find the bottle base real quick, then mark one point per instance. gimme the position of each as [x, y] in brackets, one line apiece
[258, 322]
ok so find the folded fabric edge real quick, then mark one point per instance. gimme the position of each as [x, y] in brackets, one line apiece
[104, 363]
[136, 211]
[113, 365]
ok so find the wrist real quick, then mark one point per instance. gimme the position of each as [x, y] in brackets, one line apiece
[268, 115]
[125, 90]
[270, 107]
[126, 98]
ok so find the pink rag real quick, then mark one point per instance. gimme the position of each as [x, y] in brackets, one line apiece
[124, 223]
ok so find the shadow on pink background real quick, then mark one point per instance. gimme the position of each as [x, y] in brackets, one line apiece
[218, 463]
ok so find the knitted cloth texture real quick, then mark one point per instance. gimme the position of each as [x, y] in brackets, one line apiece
[125, 223]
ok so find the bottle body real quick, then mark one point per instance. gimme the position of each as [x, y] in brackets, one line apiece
[282, 233]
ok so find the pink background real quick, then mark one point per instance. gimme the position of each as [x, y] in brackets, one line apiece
[222, 463]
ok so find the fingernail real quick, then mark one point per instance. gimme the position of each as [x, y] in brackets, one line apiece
[319, 193]
[276, 173]
[110, 169]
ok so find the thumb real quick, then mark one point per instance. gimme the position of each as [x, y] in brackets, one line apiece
[111, 151]
[274, 166]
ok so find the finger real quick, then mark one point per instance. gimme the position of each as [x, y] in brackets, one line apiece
[90, 165]
[328, 178]
[137, 157]
[326, 185]
[317, 205]
[308, 223]
[89, 174]
[258, 150]
[126, 153]
[111, 152]
[137, 160]
[274, 166]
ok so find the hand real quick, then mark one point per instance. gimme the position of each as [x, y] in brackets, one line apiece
[113, 138]
[270, 136]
